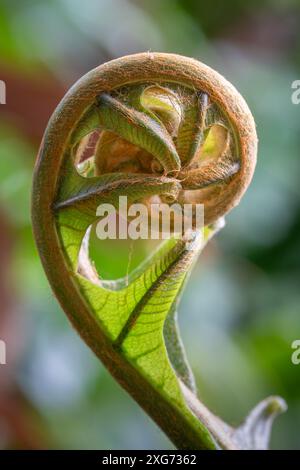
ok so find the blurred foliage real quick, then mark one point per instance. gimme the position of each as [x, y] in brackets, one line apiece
[240, 312]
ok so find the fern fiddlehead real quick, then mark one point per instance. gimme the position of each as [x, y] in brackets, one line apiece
[167, 128]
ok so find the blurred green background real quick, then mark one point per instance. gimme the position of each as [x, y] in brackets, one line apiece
[240, 311]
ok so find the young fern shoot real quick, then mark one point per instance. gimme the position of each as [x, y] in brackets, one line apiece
[162, 128]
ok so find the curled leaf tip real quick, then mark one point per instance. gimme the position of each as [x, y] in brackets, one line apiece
[255, 432]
